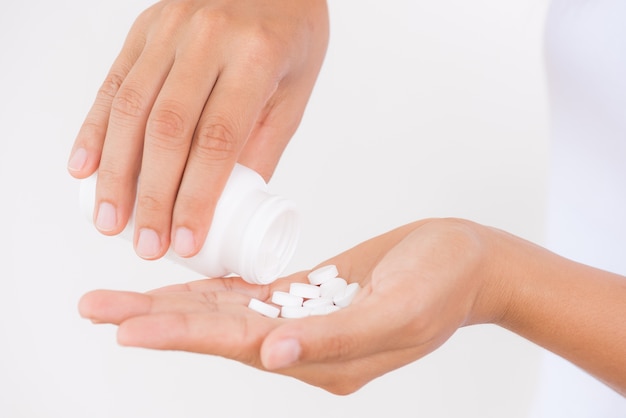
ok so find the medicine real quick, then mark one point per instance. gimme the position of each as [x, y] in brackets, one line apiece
[264, 308]
[253, 233]
[305, 290]
[323, 274]
[333, 287]
[313, 303]
[308, 299]
[348, 296]
[324, 310]
[286, 299]
[294, 312]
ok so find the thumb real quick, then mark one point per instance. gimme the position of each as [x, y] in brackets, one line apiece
[353, 332]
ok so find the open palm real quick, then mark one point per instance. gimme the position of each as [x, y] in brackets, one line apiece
[417, 289]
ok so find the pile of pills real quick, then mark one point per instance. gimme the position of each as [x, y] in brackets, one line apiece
[325, 293]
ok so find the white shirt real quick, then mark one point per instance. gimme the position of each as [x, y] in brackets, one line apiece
[586, 67]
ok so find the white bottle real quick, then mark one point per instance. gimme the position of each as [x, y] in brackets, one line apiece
[253, 233]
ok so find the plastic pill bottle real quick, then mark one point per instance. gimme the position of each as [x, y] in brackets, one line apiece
[253, 233]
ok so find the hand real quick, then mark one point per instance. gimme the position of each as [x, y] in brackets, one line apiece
[197, 86]
[420, 283]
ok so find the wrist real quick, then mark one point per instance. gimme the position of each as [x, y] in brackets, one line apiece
[494, 283]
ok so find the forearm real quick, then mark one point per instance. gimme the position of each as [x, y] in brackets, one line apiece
[573, 310]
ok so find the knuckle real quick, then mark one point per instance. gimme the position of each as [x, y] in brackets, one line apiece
[262, 43]
[210, 19]
[216, 140]
[109, 173]
[262, 48]
[258, 43]
[149, 202]
[188, 204]
[110, 86]
[172, 15]
[144, 17]
[167, 123]
[91, 130]
[110, 178]
[128, 102]
[176, 10]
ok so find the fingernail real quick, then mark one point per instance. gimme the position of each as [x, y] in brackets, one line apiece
[148, 243]
[106, 220]
[77, 160]
[184, 243]
[283, 354]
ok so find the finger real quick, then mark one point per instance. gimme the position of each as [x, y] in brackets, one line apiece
[169, 133]
[237, 334]
[226, 122]
[116, 306]
[353, 332]
[107, 306]
[87, 148]
[123, 145]
[233, 332]
[228, 284]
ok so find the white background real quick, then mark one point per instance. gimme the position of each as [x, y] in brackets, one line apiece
[422, 109]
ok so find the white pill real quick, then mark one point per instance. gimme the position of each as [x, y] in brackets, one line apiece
[294, 312]
[323, 274]
[313, 303]
[264, 308]
[286, 299]
[334, 287]
[305, 290]
[324, 310]
[346, 299]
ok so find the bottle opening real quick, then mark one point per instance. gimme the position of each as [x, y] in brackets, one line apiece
[269, 248]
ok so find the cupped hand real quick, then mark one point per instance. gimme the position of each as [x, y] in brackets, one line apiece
[420, 283]
[198, 86]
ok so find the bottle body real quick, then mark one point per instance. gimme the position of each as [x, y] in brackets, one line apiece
[253, 233]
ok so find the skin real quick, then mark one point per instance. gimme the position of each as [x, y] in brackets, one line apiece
[420, 283]
[198, 86]
[202, 84]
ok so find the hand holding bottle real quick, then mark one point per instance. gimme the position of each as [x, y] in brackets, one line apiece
[198, 86]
